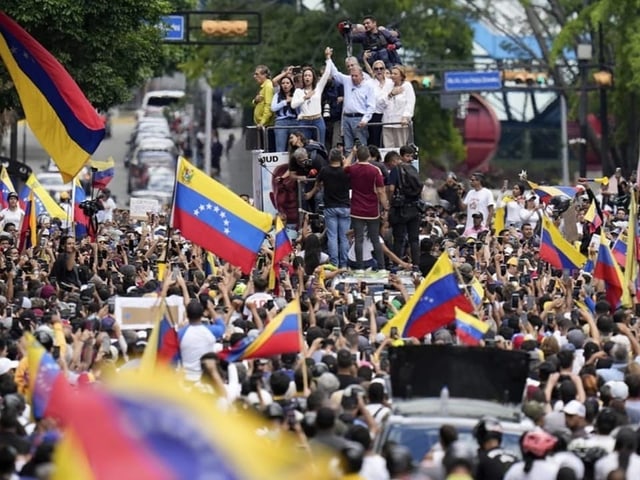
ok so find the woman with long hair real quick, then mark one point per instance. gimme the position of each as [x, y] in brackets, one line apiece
[623, 459]
[312, 254]
[513, 205]
[286, 115]
[398, 108]
[308, 100]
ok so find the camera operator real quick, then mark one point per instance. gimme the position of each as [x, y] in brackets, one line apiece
[382, 44]
[304, 168]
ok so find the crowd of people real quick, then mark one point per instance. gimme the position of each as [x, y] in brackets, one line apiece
[372, 103]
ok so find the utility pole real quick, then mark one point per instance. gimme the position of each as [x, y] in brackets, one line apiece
[604, 114]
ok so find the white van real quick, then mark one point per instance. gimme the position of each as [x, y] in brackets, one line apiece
[157, 100]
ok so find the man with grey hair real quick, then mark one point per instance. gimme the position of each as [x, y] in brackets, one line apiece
[359, 104]
[302, 166]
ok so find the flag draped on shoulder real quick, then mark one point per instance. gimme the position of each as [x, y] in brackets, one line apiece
[48, 387]
[281, 335]
[59, 114]
[433, 304]
[556, 250]
[212, 216]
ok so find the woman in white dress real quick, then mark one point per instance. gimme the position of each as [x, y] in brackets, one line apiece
[398, 108]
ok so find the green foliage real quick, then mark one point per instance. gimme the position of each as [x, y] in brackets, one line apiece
[431, 30]
[108, 47]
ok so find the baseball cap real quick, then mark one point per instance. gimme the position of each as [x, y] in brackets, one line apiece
[574, 407]
[12, 195]
[618, 390]
[6, 365]
[512, 261]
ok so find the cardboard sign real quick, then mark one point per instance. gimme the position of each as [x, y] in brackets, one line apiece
[142, 312]
[139, 207]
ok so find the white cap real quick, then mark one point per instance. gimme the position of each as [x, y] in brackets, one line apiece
[6, 365]
[574, 407]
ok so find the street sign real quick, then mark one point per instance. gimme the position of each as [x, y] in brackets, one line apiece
[174, 28]
[472, 81]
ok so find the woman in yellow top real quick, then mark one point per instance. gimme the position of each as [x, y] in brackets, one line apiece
[262, 114]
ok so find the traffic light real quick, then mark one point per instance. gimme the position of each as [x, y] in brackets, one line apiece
[225, 28]
[603, 78]
[524, 77]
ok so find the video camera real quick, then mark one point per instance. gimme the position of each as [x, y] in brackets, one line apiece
[90, 207]
[345, 27]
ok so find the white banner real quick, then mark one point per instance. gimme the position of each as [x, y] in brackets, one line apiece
[141, 312]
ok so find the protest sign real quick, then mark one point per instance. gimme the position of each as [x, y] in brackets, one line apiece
[142, 312]
[139, 207]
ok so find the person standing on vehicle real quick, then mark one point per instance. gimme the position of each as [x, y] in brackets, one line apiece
[336, 185]
[493, 460]
[478, 199]
[367, 194]
[404, 215]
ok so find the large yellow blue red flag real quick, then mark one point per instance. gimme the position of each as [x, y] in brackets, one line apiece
[546, 192]
[156, 430]
[631, 260]
[433, 305]
[281, 335]
[44, 203]
[607, 270]
[103, 171]
[60, 116]
[469, 329]
[214, 217]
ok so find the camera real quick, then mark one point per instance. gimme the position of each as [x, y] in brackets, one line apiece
[90, 207]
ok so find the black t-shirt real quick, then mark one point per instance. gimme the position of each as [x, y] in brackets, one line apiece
[336, 185]
[64, 276]
[346, 380]
[493, 464]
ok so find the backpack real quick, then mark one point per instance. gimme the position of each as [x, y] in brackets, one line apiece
[317, 150]
[409, 183]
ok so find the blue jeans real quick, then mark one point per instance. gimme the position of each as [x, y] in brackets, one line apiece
[351, 131]
[318, 133]
[282, 134]
[337, 221]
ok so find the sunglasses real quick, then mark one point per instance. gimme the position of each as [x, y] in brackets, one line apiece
[378, 69]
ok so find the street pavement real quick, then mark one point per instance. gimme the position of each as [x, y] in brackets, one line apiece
[235, 170]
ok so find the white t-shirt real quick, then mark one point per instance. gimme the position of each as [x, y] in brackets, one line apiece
[609, 463]
[478, 201]
[374, 467]
[11, 216]
[195, 342]
[259, 298]
[367, 249]
[106, 215]
[541, 469]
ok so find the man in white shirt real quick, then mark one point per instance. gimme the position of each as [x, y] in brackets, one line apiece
[13, 213]
[259, 298]
[108, 206]
[196, 339]
[478, 199]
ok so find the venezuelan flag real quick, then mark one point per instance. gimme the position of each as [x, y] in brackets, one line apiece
[163, 346]
[45, 205]
[477, 292]
[593, 217]
[212, 216]
[48, 386]
[104, 171]
[82, 222]
[619, 250]
[281, 248]
[546, 192]
[281, 335]
[433, 304]
[6, 187]
[607, 269]
[556, 250]
[147, 427]
[60, 116]
[28, 229]
[469, 329]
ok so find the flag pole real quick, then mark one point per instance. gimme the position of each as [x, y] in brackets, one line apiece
[303, 350]
[71, 220]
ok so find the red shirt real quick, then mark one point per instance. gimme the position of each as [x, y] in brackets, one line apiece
[365, 178]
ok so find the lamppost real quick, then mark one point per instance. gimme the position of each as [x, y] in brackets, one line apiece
[585, 53]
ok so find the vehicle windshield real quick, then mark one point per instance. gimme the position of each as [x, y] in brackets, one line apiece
[161, 183]
[422, 438]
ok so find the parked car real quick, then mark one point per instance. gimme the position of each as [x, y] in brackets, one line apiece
[158, 100]
[159, 185]
[433, 385]
[152, 153]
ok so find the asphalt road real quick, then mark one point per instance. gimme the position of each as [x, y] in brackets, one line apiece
[235, 170]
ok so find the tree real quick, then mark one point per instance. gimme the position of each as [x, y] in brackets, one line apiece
[559, 26]
[431, 30]
[108, 47]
